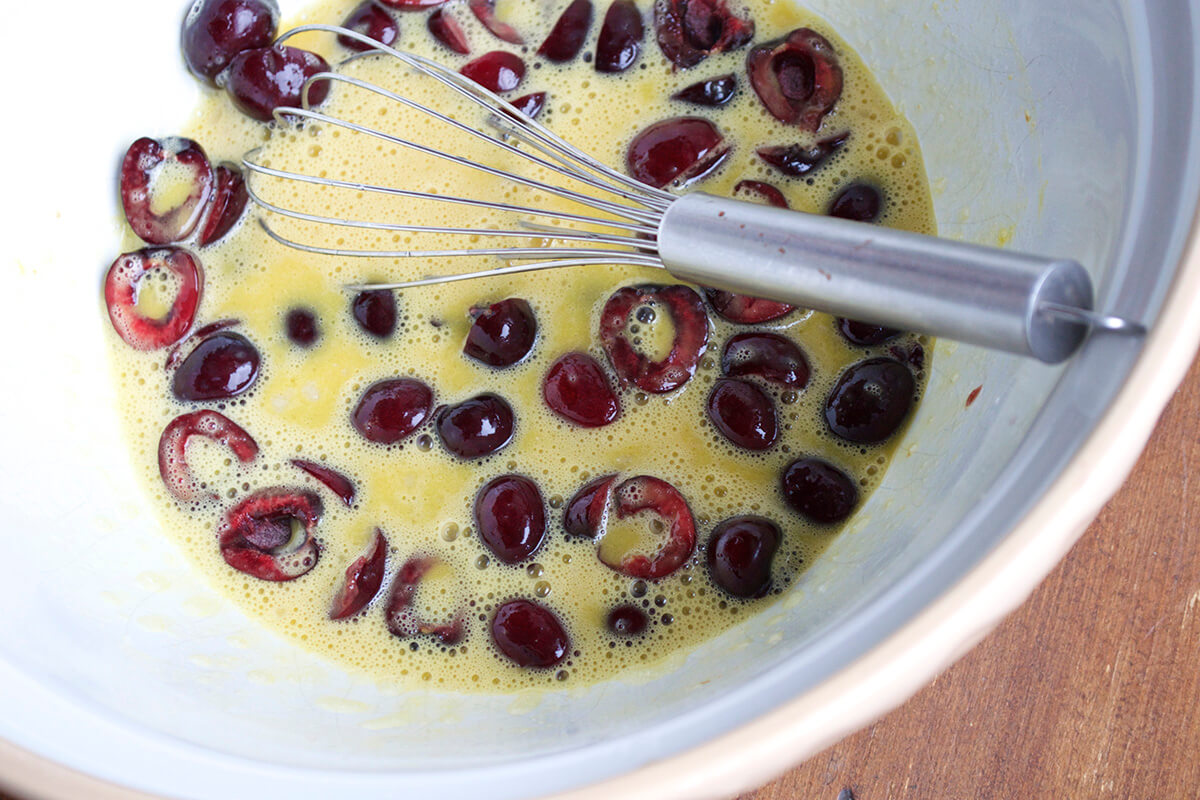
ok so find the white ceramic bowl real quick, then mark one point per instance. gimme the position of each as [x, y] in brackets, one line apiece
[1069, 126]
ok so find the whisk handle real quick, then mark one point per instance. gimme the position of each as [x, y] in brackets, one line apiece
[978, 295]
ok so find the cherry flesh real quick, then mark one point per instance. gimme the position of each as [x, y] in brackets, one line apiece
[412, 5]
[373, 21]
[740, 553]
[743, 414]
[375, 312]
[257, 536]
[712, 92]
[215, 31]
[864, 334]
[498, 71]
[391, 410]
[798, 78]
[762, 192]
[621, 35]
[502, 334]
[301, 327]
[123, 282]
[529, 634]
[774, 358]
[870, 400]
[689, 31]
[145, 162]
[510, 516]
[677, 151]
[576, 389]
[402, 619]
[227, 206]
[335, 481]
[627, 621]
[446, 29]
[530, 105]
[798, 160]
[477, 427]
[745, 310]
[172, 450]
[691, 336]
[485, 12]
[646, 493]
[587, 511]
[566, 37]
[268, 78]
[222, 366]
[363, 578]
[818, 491]
[859, 202]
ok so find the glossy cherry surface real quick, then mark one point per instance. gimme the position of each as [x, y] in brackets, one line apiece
[336, 482]
[587, 511]
[270, 535]
[677, 151]
[870, 400]
[447, 30]
[864, 334]
[402, 618]
[774, 358]
[818, 491]
[576, 389]
[746, 310]
[371, 19]
[363, 578]
[391, 410]
[214, 31]
[627, 621]
[498, 71]
[268, 78]
[798, 78]
[799, 160]
[123, 282]
[172, 450]
[860, 202]
[529, 634]
[743, 413]
[502, 334]
[621, 35]
[412, 5]
[689, 31]
[531, 105]
[476, 427]
[510, 516]
[686, 310]
[649, 494]
[375, 312]
[227, 206]
[740, 552]
[148, 165]
[222, 366]
[712, 92]
[565, 39]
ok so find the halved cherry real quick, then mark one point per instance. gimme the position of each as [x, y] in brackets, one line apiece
[503, 333]
[228, 204]
[497, 71]
[270, 534]
[412, 5]
[510, 516]
[268, 78]
[363, 578]
[476, 427]
[391, 410]
[375, 312]
[912, 354]
[860, 202]
[301, 327]
[183, 347]
[626, 621]
[686, 310]
[864, 334]
[797, 160]
[740, 553]
[620, 41]
[870, 400]
[123, 282]
[681, 151]
[763, 192]
[445, 29]
[690, 31]
[746, 310]
[529, 634]
[154, 168]
[646, 493]
[402, 619]
[576, 389]
[712, 92]
[337, 483]
[769, 356]
[818, 491]
[370, 19]
[214, 31]
[531, 105]
[587, 511]
[798, 77]
[743, 414]
[172, 450]
[566, 37]
[485, 12]
[222, 366]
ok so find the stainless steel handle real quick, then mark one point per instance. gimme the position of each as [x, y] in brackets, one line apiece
[996, 298]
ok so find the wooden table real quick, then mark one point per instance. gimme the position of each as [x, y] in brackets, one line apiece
[1090, 690]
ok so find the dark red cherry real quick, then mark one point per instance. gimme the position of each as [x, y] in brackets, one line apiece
[870, 400]
[477, 427]
[797, 78]
[301, 327]
[740, 553]
[691, 335]
[375, 312]
[678, 151]
[859, 202]
[743, 414]
[762, 192]
[818, 491]
[576, 389]
[502, 334]
[798, 160]
[510, 516]
[222, 366]
[531, 105]
[268, 78]
[566, 37]
[864, 334]
[337, 483]
[587, 511]
[912, 354]
[773, 358]
[713, 92]
[370, 19]
[689, 31]
[184, 347]
[745, 310]
[498, 71]
[412, 5]
[123, 282]
[363, 578]
[645, 493]
[270, 535]
[214, 31]
[401, 617]
[150, 163]
[172, 450]
[485, 12]
[627, 621]
[227, 206]
[446, 29]
[392, 409]
[620, 41]
[529, 634]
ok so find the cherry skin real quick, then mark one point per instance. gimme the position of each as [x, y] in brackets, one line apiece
[477, 427]
[498, 71]
[762, 192]
[392, 410]
[222, 366]
[689, 31]
[371, 19]
[576, 389]
[587, 512]
[691, 336]
[740, 553]
[268, 78]
[375, 312]
[301, 327]
[565, 39]
[446, 29]
[818, 491]
[798, 78]
[335, 481]
[677, 151]
[510, 516]
[647, 493]
[743, 414]
[627, 621]
[121, 286]
[502, 334]
[172, 450]
[364, 577]
[870, 400]
[620, 41]
[485, 12]
[712, 92]
[859, 202]
[745, 310]
[401, 617]
[227, 206]
[774, 358]
[529, 634]
[864, 334]
[530, 105]
[412, 5]
[797, 160]
[215, 31]
[256, 536]
[145, 161]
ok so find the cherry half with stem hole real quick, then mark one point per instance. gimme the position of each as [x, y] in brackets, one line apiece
[576, 389]
[744, 414]
[402, 619]
[485, 12]
[798, 78]
[335, 481]
[363, 578]
[268, 78]
[502, 334]
[769, 356]
[476, 427]
[711, 93]
[818, 491]
[215, 31]
[621, 35]
[372, 19]
[222, 366]
[227, 206]
[645, 493]
[690, 31]
[152, 172]
[447, 30]
[498, 71]
[391, 410]
[740, 552]
[677, 151]
[870, 400]
[172, 450]
[686, 311]
[510, 516]
[270, 535]
[565, 39]
[124, 281]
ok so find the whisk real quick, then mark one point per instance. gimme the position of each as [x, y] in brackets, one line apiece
[1019, 303]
